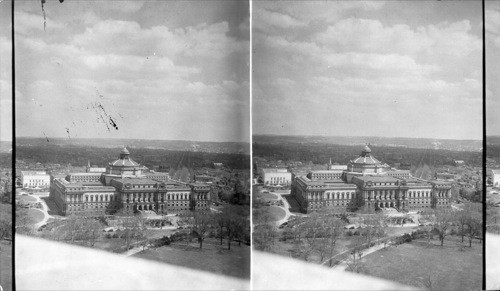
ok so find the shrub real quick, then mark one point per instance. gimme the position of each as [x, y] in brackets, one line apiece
[163, 241]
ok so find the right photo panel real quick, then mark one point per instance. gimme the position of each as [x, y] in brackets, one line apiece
[367, 145]
[492, 27]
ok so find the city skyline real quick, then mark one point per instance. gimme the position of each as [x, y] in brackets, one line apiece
[173, 70]
[394, 68]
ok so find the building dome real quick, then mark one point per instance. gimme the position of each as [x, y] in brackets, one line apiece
[124, 165]
[366, 158]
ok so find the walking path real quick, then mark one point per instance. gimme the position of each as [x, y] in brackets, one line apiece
[342, 266]
[286, 207]
[44, 210]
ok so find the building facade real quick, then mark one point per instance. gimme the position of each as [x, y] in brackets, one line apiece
[495, 177]
[275, 176]
[34, 179]
[369, 184]
[127, 186]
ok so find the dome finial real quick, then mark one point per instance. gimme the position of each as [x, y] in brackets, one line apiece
[124, 153]
[366, 148]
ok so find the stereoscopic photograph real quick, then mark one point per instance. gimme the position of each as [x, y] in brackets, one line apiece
[367, 145]
[132, 145]
[249, 145]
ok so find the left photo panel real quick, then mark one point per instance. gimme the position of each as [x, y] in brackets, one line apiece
[6, 175]
[132, 145]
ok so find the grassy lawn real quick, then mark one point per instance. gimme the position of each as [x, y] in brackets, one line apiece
[276, 213]
[6, 265]
[36, 215]
[268, 196]
[397, 230]
[447, 267]
[234, 262]
[5, 211]
[26, 198]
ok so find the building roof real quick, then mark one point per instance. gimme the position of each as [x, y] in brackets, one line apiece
[377, 179]
[198, 184]
[125, 162]
[495, 171]
[366, 160]
[142, 181]
[334, 183]
[397, 171]
[274, 170]
[33, 173]
[86, 174]
[326, 171]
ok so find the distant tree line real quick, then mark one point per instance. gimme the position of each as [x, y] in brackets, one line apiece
[80, 155]
[321, 154]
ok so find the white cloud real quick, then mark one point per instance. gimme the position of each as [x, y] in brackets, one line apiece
[307, 11]
[265, 20]
[493, 27]
[121, 6]
[366, 35]
[128, 37]
[26, 23]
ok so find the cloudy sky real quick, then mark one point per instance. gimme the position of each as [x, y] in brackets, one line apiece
[5, 72]
[153, 69]
[394, 68]
[492, 15]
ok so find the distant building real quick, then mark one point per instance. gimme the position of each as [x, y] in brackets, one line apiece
[33, 179]
[126, 185]
[402, 174]
[325, 175]
[94, 169]
[495, 177]
[445, 176]
[218, 165]
[275, 176]
[371, 182]
[459, 162]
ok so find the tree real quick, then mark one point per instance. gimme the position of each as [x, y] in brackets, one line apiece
[333, 231]
[184, 175]
[310, 230]
[200, 222]
[132, 228]
[443, 222]
[474, 227]
[24, 223]
[91, 230]
[462, 218]
[354, 260]
[5, 229]
[236, 223]
[263, 236]
[220, 222]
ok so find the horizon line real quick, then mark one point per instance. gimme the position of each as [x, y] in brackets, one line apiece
[123, 138]
[362, 136]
